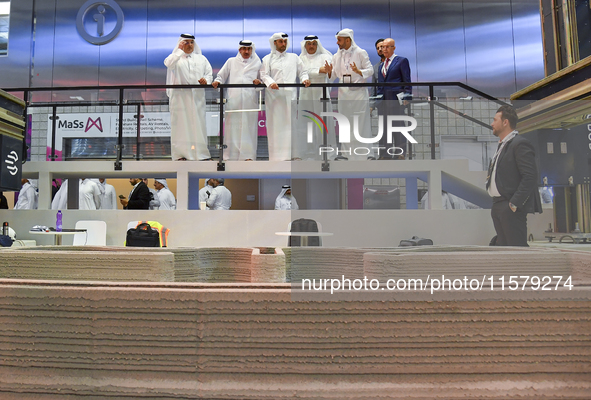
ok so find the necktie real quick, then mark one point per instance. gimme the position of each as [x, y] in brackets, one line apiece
[491, 167]
[386, 67]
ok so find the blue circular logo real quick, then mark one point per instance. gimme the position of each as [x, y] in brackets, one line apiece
[102, 13]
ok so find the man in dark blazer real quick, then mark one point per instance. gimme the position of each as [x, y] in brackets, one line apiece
[393, 69]
[376, 66]
[139, 197]
[512, 181]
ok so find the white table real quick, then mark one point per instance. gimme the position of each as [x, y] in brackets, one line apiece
[58, 235]
[304, 235]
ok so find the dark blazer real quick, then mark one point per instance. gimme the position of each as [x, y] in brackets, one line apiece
[398, 71]
[517, 175]
[3, 202]
[140, 198]
[374, 79]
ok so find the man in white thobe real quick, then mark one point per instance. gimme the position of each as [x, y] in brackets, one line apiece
[89, 196]
[205, 191]
[351, 65]
[220, 197]
[240, 128]
[165, 196]
[187, 66]
[446, 202]
[154, 202]
[316, 61]
[27, 197]
[285, 200]
[281, 67]
[60, 200]
[108, 195]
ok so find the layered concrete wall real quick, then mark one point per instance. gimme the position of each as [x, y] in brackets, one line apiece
[290, 264]
[168, 340]
[177, 341]
[186, 264]
[88, 265]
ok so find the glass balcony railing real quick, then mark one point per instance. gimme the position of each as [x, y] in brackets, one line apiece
[451, 120]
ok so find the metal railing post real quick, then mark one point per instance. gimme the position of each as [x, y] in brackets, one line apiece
[325, 99]
[26, 116]
[432, 119]
[138, 118]
[54, 119]
[118, 163]
[409, 144]
[221, 165]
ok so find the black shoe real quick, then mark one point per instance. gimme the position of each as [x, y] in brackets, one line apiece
[340, 158]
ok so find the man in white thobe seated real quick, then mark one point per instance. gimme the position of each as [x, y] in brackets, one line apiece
[285, 200]
[241, 128]
[316, 61]
[108, 195]
[281, 67]
[187, 66]
[89, 196]
[28, 196]
[351, 65]
[165, 196]
[220, 197]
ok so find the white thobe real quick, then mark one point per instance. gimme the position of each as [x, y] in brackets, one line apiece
[27, 198]
[354, 101]
[286, 203]
[187, 106]
[446, 203]
[310, 101]
[60, 200]
[155, 202]
[89, 197]
[220, 198]
[108, 197]
[281, 103]
[240, 128]
[166, 198]
[203, 194]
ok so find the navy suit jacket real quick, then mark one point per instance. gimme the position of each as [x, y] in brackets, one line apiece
[398, 71]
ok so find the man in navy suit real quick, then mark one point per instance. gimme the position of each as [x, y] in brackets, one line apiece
[393, 69]
[512, 180]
